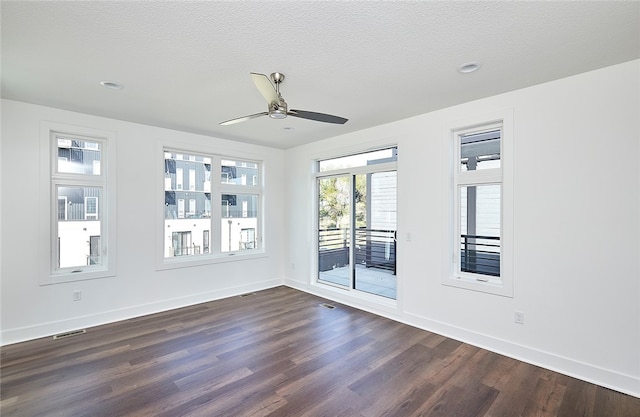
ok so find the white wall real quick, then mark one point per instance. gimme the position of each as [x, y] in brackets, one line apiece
[576, 227]
[30, 310]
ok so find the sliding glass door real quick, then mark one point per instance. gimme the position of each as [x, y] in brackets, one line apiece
[357, 223]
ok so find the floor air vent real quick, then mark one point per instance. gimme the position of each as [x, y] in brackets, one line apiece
[329, 306]
[69, 334]
[248, 294]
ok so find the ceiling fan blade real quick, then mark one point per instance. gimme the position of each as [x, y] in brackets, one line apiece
[243, 119]
[266, 88]
[318, 117]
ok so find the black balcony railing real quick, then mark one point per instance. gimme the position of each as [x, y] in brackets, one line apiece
[376, 248]
[480, 254]
[333, 248]
[373, 248]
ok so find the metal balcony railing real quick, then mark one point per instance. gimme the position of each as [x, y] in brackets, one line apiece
[376, 248]
[373, 248]
[480, 254]
[186, 250]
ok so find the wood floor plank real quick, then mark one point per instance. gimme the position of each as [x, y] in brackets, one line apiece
[279, 353]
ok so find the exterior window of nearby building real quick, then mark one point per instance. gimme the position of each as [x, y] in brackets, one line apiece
[91, 208]
[205, 241]
[62, 208]
[482, 207]
[247, 238]
[179, 178]
[188, 210]
[181, 244]
[81, 195]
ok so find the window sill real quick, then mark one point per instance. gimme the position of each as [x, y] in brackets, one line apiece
[187, 262]
[63, 277]
[487, 287]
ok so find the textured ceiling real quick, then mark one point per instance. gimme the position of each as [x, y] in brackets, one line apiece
[185, 65]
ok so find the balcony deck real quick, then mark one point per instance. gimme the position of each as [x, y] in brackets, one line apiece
[373, 280]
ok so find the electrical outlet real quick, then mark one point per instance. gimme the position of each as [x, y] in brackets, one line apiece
[77, 295]
[518, 317]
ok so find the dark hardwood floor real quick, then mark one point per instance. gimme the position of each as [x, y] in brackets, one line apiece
[280, 353]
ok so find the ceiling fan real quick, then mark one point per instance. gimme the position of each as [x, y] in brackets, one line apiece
[277, 107]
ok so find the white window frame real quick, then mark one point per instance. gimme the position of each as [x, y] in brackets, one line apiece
[49, 273]
[452, 275]
[217, 187]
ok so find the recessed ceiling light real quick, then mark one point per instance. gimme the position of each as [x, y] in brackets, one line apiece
[112, 85]
[469, 67]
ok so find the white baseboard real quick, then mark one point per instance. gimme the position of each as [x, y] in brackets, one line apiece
[16, 335]
[617, 381]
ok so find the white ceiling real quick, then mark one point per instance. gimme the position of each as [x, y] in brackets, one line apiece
[185, 65]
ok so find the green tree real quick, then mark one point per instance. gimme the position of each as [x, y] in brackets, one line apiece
[334, 203]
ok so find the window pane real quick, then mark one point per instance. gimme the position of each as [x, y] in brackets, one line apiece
[187, 204]
[480, 229]
[359, 160]
[79, 226]
[480, 151]
[237, 172]
[239, 222]
[78, 156]
[334, 229]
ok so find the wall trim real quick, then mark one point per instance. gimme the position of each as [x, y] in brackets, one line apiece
[22, 334]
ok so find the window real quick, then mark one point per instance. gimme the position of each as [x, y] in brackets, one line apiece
[179, 178]
[181, 244]
[190, 223]
[81, 196]
[192, 179]
[482, 207]
[479, 203]
[205, 241]
[90, 208]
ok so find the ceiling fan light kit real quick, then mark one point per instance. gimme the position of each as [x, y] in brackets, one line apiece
[269, 87]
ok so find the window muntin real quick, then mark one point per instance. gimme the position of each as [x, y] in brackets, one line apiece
[203, 210]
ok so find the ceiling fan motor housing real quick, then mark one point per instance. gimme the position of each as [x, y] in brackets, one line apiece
[278, 110]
